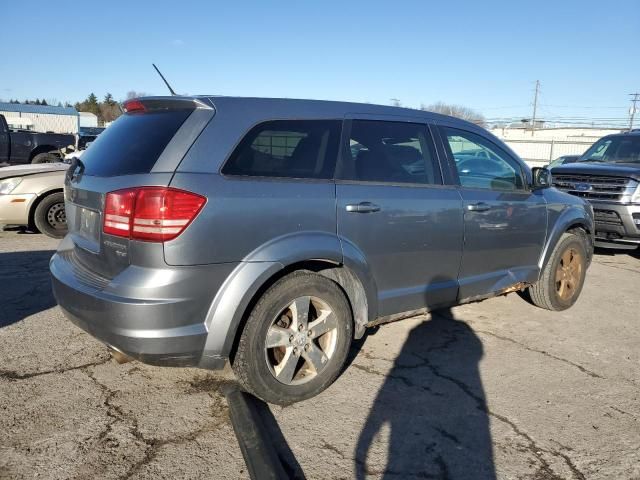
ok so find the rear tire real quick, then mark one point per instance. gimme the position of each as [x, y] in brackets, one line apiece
[46, 158]
[283, 362]
[49, 216]
[563, 277]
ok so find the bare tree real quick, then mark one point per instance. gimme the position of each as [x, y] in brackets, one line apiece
[458, 111]
[134, 94]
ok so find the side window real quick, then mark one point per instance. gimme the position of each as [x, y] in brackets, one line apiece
[395, 152]
[287, 148]
[482, 164]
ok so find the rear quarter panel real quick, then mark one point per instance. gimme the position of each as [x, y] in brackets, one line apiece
[246, 219]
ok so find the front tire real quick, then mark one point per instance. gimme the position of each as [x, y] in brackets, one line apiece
[50, 217]
[563, 277]
[296, 339]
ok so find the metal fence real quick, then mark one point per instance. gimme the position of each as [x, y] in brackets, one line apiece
[539, 151]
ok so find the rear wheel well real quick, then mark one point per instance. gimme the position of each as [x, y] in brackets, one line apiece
[341, 275]
[32, 210]
[43, 149]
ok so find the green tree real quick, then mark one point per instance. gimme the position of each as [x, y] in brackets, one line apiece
[108, 100]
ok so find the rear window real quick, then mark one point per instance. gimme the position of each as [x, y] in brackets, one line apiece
[287, 148]
[133, 143]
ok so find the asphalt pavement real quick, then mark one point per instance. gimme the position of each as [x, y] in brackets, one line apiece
[498, 389]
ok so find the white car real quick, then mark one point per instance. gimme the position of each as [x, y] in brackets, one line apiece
[33, 196]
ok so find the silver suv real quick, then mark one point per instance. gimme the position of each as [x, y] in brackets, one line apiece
[273, 232]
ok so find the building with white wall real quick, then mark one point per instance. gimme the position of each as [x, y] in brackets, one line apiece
[88, 119]
[41, 118]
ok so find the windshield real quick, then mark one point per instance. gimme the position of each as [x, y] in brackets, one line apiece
[620, 149]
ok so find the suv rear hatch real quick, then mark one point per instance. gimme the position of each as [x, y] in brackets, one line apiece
[141, 149]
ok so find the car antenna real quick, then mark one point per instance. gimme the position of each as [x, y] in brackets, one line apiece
[164, 80]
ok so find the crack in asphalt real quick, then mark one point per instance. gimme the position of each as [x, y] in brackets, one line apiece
[545, 471]
[12, 375]
[543, 352]
[617, 265]
[442, 475]
[152, 445]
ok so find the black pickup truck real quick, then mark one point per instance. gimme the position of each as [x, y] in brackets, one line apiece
[24, 146]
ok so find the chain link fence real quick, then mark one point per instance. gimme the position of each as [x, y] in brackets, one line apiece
[539, 152]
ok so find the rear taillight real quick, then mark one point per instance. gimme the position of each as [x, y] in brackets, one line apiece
[155, 214]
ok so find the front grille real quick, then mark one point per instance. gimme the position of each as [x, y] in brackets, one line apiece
[597, 187]
[607, 217]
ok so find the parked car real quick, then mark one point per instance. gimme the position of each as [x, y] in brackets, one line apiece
[25, 146]
[32, 196]
[203, 229]
[86, 135]
[563, 159]
[608, 176]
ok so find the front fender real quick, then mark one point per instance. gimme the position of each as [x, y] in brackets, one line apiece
[561, 219]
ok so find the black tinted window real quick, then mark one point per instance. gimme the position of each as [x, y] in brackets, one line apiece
[395, 152]
[133, 143]
[287, 148]
[615, 149]
[481, 163]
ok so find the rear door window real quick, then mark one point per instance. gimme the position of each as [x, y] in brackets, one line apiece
[133, 143]
[390, 152]
[287, 148]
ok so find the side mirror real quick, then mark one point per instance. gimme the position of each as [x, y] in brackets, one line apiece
[541, 178]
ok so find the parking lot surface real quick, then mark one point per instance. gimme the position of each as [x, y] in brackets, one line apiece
[498, 389]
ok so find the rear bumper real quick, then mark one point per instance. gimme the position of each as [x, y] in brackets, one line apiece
[617, 224]
[14, 209]
[163, 326]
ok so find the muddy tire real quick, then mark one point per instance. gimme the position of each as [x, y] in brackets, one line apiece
[49, 216]
[563, 277]
[296, 339]
[46, 158]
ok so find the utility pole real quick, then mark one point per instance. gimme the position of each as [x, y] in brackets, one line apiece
[633, 109]
[535, 107]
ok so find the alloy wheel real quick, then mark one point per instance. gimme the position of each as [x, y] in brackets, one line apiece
[301, 340]
[568, 274]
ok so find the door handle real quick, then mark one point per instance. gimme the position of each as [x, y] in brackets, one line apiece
[478, 207]
[363, 207]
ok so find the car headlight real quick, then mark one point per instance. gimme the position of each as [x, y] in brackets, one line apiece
[8, 185]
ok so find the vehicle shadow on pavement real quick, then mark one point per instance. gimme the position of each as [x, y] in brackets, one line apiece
[431, 408]
[26, 285]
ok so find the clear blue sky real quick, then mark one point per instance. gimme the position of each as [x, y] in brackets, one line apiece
[482, 54]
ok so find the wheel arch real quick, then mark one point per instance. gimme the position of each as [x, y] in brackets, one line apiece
[250, 279]
[42, 149]
[570, 219]
[38, 200]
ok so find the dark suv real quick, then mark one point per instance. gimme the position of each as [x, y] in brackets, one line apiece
[608, 176]
[273, 232]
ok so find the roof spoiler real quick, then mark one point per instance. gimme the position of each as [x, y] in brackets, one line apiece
[147, 104]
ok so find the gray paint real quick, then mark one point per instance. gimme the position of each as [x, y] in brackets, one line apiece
[183, 301]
